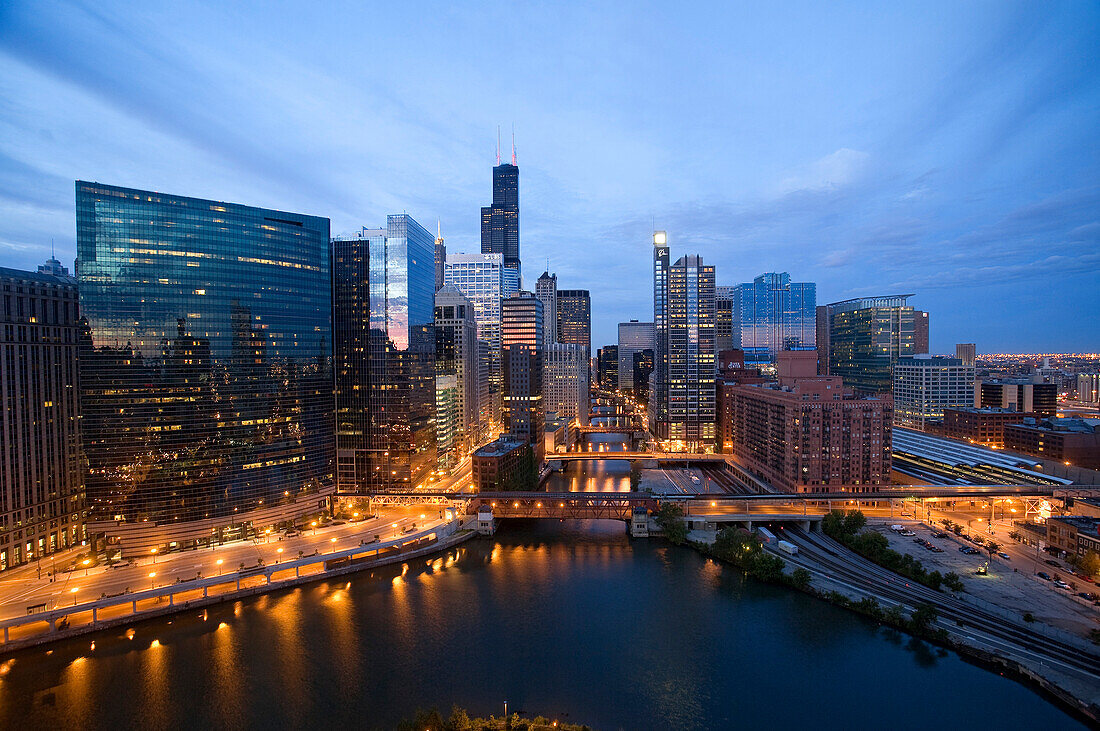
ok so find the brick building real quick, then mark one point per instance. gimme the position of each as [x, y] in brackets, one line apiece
[1070, 441]
[981, 426]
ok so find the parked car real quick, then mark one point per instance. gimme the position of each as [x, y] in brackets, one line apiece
[1043, 575]
[1052, 562]
[1061, 584]
[1004, 555]
[1088, 595]
[908, 533]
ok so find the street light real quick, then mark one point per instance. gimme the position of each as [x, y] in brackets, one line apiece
[152, 576]
[219, 564]
[154, 552]
[73, 590]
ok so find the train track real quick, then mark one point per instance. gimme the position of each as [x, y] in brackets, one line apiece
[995, 631]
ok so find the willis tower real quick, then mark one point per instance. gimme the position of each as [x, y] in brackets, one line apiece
[500, 221]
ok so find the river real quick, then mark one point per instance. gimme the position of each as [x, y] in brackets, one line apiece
[570, 619]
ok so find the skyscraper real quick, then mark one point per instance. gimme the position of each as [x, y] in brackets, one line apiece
[500, 221]
[42, 505]
[866, 336]
[681, 406]
[726, 336]
[773, 314]
[205, 380]
[920, 332]
[522, 353]
[634, 337]
[575, 317]
[546, 289]
[486, 282]
[440, 256]
[565, 381]
[607, 367]
[385, 376]
[456, 353]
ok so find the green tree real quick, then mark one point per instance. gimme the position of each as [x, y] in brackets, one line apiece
[800, 578]
[992, 547]
[854, 522]
[952, 581]
[924, 617]
[670, 517]
[1090, 564]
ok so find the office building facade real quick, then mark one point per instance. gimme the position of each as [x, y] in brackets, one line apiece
[725, 337]
[967, 353]
[500, 221]
[486, 282]
[1022, 394]
[772, 314]
[456, 353]
[440, 256]
[1088, 387]
[682, 402]
[920, 332]
[607, 367]
[546, 289]
[634, 337]
[864, 337]
[205, 365]
[385, 421]
[924, 386]
[522, 353]
[575, 317]
[641, 372]
[565, 381]
[980, 426]
[42, 505]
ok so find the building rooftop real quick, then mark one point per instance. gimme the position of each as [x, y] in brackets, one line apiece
[986, 410]
[40, 277]
[1079, 426]
[499, 448]
[1082, 523]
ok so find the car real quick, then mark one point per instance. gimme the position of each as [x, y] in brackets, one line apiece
[1004, 555]
[964, 549]
[908, 533]
[1061, 584]
[1043, 575]
[937, 534]
[1088, 595]
[1052, 562]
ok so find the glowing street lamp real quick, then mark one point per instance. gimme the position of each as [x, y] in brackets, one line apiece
[73, 590]
[152, 576]
[154, 552]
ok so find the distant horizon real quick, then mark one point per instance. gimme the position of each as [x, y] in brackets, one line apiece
[949, 152]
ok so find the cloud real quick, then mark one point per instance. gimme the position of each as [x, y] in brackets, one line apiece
[836, 170]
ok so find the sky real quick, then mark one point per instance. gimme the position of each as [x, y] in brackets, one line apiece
[945, 149]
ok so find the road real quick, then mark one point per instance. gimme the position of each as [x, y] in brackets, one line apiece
[23, 589]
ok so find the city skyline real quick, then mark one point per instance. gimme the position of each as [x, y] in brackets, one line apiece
[934, 166]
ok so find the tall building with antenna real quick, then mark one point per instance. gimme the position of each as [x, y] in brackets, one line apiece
[500, 221]
[440, 256]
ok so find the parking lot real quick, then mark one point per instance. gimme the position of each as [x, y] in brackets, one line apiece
[1010, 583]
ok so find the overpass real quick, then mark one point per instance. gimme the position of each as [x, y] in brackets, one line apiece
[680, 457]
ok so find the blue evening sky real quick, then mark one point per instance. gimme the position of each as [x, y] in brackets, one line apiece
[947, 149]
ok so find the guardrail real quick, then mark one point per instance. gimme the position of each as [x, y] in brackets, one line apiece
[338, 561]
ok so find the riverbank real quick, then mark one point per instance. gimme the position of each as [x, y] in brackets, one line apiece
[767, 566]
[332, 566]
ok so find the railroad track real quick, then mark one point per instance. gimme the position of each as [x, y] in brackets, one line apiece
[996, 631]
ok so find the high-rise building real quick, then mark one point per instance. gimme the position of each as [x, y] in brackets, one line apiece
[607, 367]
[726, 335]
[522, 353]
[575, 317]
[440, 256]
[773, 314]
[456, 353]
[385, 375]
[642, 370]
[500, 221]
[53, 267]
[634, 337]
[1029, 393]
[681, 404]
[1088, 387]
[806, 433]
[486, 282]
[565, 381]
[448, 421]
[205, 367]
[42, 506]
[920, 332]
[488, 413]
[864, 338]
[967, 353]
[546, 289]
[925, 386]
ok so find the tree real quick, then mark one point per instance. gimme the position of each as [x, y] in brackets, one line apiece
[854, 522]
[924, 617]
[800, 578]
[992, 547]
[952, 581]
[1015, 535]
[670, 517]
[1090, 564]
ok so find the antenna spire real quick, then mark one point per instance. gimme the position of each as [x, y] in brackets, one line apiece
[498, 144]
[438, 229]
[513, 143]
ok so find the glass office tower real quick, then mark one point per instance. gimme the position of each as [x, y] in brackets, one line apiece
[772, 314]
[864, 337]
[205, 358]
[500, 221]
[575, 317]
[384, 282]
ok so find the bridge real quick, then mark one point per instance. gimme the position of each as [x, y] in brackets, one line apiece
[589, 429]
[631, 456]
